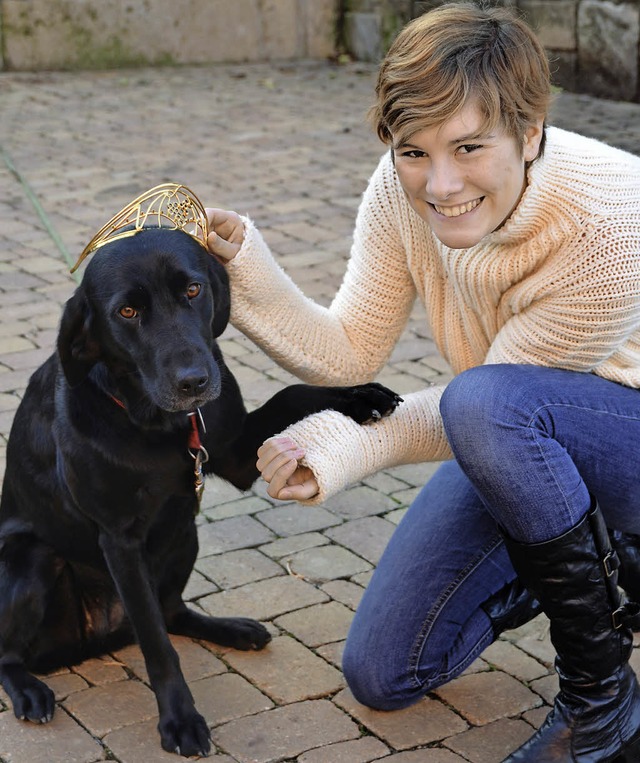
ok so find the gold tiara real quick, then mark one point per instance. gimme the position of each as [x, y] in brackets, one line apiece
[169, 205]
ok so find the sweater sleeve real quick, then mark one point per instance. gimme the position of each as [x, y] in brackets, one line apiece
[348, 342]
[340, 452]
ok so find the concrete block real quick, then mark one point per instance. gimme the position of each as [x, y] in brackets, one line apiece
[364, 35]
[553, 20]
[608, 41]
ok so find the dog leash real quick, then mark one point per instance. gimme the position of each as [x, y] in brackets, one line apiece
[195, 448]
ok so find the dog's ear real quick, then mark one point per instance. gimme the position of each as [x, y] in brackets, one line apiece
[78, 349]
[221, 296]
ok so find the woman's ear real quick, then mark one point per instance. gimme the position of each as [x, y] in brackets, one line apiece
[532, 140]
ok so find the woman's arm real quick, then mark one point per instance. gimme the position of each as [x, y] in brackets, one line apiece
[348, 342]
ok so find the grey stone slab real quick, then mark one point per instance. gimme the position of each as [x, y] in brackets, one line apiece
[293, 519]
[318, 625]
[366, 537]
[423, 723]
[263, 600]
[318, 565]
[61, 739]
[361, 501]
[285, 732]
[287, 671]
[236, 568]
[231, 534]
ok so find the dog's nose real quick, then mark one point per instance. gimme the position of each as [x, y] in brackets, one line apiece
[193, 383]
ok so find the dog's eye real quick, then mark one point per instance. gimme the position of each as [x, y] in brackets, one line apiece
[128, 312]
[193, 290]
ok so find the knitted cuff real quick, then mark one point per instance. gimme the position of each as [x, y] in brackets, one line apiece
[340, 452]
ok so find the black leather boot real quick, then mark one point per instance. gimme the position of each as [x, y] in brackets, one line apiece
[596, 714]
[510, 607]
[627, 546]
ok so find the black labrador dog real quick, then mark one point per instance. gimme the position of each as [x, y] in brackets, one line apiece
[104, 462]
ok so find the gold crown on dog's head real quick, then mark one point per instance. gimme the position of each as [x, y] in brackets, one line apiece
[170, 205]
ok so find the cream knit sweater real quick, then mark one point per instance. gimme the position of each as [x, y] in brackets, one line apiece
[557, 285]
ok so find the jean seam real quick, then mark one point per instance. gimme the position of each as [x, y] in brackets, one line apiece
[432, 617]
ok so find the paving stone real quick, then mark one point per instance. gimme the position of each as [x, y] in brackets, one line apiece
[139, 743]
[491, 743]
[231, 534]
[195, 660]
[430, 755]
[285, 732]
[263, 600]
[65, 684]
[425, 722]
[250, 504]
[361, 501]
[318, 625]
[284, 547]
[101, 709]
[294, 519]
[326, 563]
[504, 655]
[236, 568]
[228, 696]
[366, 537]
[100, 671]
[356, 751]
[345, 592]
[547, 687]
[198, 586]
[287, 671]
[485, 697]
[60, 740]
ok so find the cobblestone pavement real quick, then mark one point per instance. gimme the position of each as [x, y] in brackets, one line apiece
[290, 146]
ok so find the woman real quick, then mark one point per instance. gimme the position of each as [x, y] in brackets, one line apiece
[523, 243]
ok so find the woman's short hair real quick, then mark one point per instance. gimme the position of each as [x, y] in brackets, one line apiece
[454, 53]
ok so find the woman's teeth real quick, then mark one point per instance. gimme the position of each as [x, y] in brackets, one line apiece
[458, 210]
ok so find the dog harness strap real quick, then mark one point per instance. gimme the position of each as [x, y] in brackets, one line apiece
[194, 436]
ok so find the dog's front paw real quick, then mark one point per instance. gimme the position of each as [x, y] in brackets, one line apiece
[367, 403]
[185, 736]
[240, 633]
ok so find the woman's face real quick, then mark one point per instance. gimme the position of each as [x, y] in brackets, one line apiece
[462, 181]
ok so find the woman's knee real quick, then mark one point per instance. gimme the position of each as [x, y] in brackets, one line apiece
[485, 401]
[383, 680]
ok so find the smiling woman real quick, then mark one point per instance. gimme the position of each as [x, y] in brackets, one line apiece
[523, 243]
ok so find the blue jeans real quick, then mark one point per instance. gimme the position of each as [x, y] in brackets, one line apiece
[531, 445]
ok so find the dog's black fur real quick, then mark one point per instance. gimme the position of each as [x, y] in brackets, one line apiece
[97, 529]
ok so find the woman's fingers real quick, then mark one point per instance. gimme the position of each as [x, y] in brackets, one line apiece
[278, 460]
[226, 233]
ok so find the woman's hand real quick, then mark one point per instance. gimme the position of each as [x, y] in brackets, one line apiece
[278, 463]
[226, 233]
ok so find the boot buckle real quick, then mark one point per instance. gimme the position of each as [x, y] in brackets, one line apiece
[611, 563]
[618, 618]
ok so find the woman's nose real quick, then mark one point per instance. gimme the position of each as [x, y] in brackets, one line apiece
[443, 180]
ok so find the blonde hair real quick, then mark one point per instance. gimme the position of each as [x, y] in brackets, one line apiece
[456, 53]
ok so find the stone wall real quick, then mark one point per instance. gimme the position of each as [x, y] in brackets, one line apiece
[67, 34]
[593, 45]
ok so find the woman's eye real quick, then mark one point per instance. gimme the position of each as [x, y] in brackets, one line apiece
[193, 290]
[413, 153]
[128, 312]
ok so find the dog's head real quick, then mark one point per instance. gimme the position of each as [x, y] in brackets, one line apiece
[149, 308]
